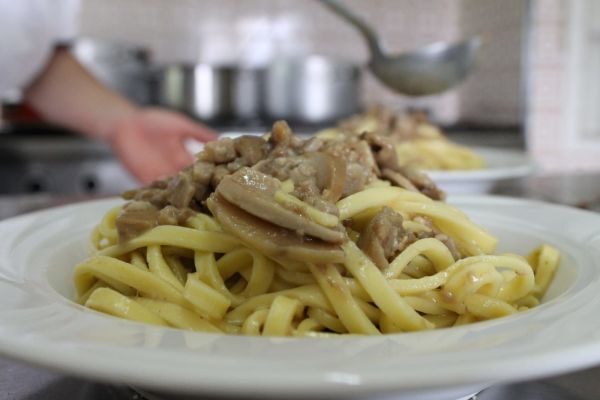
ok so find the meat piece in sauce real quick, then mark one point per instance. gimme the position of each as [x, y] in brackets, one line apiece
[251, 149]
[404, 176]
[218, 152]
[361, 168]
[181, 190]
[434, 232]
[135, 218]
[383, 237]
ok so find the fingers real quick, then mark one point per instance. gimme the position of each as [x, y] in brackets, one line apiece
[177, 153]
[174, 141]
[152, 146]
[197, 131]
[144, 160]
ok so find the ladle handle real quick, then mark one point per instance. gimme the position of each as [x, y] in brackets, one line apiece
[357, 22]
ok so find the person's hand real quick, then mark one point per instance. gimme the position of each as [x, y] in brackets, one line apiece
[151, 142]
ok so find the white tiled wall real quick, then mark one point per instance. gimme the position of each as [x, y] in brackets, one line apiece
[493, 94]
[554, 131]
[253, 31]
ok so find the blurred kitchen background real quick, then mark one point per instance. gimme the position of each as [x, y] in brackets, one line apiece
[535, 86]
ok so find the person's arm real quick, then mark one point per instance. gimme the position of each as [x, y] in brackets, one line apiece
[150, 142]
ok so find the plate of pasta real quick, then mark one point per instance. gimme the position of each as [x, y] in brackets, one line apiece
[272, 268]
[418, 143]
[501, 165]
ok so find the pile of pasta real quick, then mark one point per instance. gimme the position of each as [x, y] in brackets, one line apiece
[439, 154]
[418, 143]
[197, 277]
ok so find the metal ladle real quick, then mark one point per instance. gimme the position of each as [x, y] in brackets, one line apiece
[429, 70]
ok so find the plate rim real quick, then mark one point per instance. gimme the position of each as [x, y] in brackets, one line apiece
[525, 167]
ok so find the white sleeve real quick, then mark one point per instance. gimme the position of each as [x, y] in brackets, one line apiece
[29, 29]
[67, 20]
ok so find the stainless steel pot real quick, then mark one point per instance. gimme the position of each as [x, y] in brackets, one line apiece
[312, 90]
[203, 91]
[210, 92]
[248, 94]
[304, 91]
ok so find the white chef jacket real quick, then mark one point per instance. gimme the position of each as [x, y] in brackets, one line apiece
[29, 30]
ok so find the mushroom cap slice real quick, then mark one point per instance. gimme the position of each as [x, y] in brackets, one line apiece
[331, 174]
[254, 192]
[274, 241]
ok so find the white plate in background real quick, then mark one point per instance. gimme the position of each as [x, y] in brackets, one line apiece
[41, 325]
[501, 165]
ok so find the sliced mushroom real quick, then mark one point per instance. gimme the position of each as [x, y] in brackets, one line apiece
[422, 182]
[331, 174]
[254, 192]
[383, 150]
[274, 241]
[398, 179]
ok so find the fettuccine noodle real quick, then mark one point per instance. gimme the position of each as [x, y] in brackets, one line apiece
[200, 278]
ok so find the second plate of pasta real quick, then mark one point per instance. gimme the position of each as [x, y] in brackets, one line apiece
[501, 165]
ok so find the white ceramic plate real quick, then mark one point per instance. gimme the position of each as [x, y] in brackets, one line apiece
[501, 165]
[39, 324]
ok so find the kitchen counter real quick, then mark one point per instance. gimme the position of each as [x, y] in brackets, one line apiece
[22, 382]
